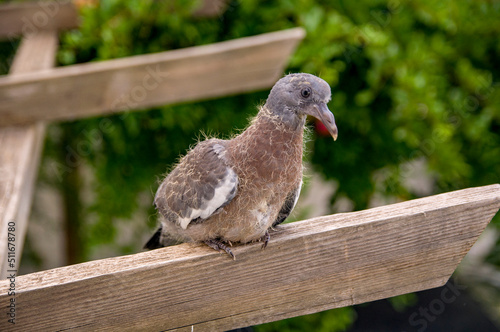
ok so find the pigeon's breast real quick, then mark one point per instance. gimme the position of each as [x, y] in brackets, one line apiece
[268, 154]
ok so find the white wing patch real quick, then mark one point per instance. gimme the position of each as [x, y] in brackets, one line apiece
[224, 192]
[297, 194]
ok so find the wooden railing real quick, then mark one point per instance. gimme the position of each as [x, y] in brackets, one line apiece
[308, 266]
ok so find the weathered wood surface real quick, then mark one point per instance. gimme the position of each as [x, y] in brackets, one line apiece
[29, 18]
[142, 81]
[20, 149]
[309, 266]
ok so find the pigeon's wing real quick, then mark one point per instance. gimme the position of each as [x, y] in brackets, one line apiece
[290, 202]
[199, 186]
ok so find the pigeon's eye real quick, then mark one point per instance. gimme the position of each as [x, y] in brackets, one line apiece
[306, 92]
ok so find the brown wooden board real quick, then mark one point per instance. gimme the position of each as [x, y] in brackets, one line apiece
[30, 18]
[20, 151]
[308, 266]
[143, 81]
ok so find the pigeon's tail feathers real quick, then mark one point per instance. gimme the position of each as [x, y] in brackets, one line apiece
[159, 240]
[154, 242]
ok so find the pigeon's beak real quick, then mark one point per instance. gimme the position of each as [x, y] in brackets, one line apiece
[322, 113]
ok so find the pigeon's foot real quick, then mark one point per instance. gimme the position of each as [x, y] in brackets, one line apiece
[265, 238]
[219, 245]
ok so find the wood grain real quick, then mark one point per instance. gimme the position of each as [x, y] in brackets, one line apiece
[30, 18]
[143, 81]
[309, 266]
[21, 149]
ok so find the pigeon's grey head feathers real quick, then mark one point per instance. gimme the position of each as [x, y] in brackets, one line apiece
[297, 95]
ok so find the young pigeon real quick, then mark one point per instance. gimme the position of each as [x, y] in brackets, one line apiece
[226, 191]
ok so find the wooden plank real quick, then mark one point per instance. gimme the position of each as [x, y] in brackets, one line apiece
[309, 266]
[21, 151]
[210, 8]
[29, 18]
[143, 81]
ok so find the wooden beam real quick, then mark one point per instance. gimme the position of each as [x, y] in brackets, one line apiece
[143, 81]
[308, 266]
[29, 18]
[210, 8]
[21, 151]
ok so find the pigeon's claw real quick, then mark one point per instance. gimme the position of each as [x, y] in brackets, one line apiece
[265, 238]
[219, 245]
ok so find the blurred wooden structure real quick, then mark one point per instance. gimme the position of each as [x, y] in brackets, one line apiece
[138, 82]
[309, 266]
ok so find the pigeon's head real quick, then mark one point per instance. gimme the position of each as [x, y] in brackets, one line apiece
[297, 95]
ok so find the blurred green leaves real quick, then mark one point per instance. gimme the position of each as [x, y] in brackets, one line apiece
[326, 321]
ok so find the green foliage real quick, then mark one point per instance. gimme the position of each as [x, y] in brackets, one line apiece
[327, 321]
[410, 86]
[402, 302]
[7, 51]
